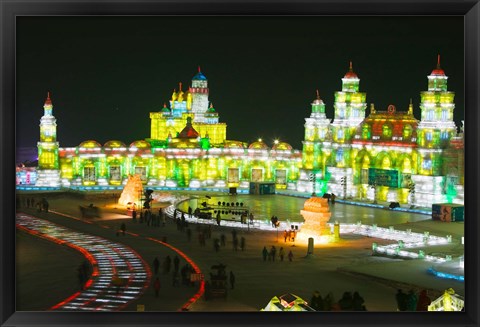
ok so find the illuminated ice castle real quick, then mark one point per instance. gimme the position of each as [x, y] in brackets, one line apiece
[389, 155]
[386, 156]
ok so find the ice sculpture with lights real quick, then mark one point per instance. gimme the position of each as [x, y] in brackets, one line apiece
[449, 301]
[132, 192]
[316, 214]
[386, 155]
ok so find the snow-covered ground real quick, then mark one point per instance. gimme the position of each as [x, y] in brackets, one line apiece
[347, 265]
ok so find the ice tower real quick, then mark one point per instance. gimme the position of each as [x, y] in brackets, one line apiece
[435, 130]
[199, 91]
[48, 173]
[194, 104]
[350, 105]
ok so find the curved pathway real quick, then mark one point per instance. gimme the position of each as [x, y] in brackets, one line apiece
[107, 259]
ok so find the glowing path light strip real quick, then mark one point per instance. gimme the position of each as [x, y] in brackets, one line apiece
[102, 282]
[107, 259]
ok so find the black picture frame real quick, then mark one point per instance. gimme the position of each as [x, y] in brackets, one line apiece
[470, 9]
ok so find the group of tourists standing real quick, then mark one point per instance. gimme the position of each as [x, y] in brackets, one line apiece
[271, 254]
[348, 302]
[40, 205]
[180, 276]
[411, 301]
[149, 217]
[236, 242]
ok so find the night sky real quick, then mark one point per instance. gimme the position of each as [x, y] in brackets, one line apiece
[106, 74]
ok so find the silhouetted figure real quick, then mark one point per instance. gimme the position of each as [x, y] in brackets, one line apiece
[265, 253]
[412, 300]
[156, 285]
[328, 302]
[216, 244]
[242, 243]
[232, 280]
[423, 301]
[219, 219]
[401, 300]
[346, 302]
[156, 265]
[316, 302]
[358, 302]
[176, 263]
[273, 253]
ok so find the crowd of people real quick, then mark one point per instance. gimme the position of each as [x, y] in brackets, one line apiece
[169, 266]
[148, 217]
[348, 302]
[412, 301]
[289, 235]
[271, 255]
[27, 202]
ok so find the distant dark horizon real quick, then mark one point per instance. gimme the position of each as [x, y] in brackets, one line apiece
[106, 74]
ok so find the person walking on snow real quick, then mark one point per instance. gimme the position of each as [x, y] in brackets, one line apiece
[423, 301]
[176, 262]
[232, 280]
[242, 243]
[156, 265]
[156, 285]
[265, 253]
[401, 300]
[235, 244]
[290, 256]
[273, 252]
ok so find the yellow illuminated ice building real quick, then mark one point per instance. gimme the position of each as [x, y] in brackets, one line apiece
[387, 155]
[192, 103]
[187, 148]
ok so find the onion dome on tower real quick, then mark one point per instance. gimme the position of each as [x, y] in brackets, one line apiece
[438, 71]
[48, 101]
[211, 116]
[350, 82]
[199, 76]
[47, 106]
[350, 73]
[165, 110]
[437, 80]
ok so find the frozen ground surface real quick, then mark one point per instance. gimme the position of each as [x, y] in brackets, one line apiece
[344, 266]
